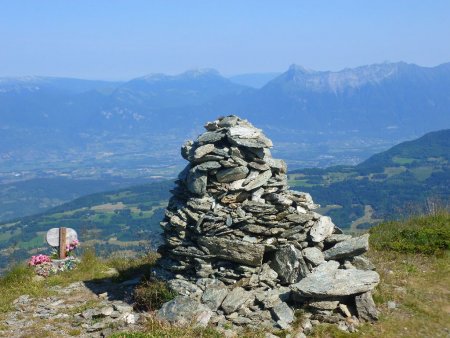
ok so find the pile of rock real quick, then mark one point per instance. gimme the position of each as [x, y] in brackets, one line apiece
[241, 247]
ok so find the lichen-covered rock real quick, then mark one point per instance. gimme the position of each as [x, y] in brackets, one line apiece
[321, 229]
[183, 311]
[313, 255]
[235, 299]
[214, 296]
[283, 312]
[288, 263]
[365, 306]
[349, 248]
[235, 251]
[336, 283]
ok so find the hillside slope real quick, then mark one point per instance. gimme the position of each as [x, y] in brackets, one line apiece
[389, 185]
[406, 178]
[126, 219]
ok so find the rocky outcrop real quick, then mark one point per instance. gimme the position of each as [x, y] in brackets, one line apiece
[242, 248]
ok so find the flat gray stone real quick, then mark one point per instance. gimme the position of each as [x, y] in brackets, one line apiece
[259, 166]
[213, 296]
[234, 250]
[270, 298]
[283, 312]
[209, 165]
[279, 165]
[362, 263]
[339, 282]
[288, 263]
[235, 299]
[197, 181]
[365, 306]
[336, 238]
[327, 267]
[231, 174]
[313, 255]
[248, 136]
[299, 218]
[184, 311]
[210, 137]
[185, 288]
[227, 121]
[324, 305]
[321, 229]
[259, 180]
[349, 248]
[203, 150]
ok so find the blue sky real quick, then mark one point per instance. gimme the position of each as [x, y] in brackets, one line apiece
[123, 39]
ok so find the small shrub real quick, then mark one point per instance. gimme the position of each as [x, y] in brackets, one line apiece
[423, 234]
[152, 294]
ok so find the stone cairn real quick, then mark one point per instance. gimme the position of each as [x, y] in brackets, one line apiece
[242, 249]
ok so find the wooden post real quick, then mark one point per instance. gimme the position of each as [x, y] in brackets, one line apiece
[62, 243]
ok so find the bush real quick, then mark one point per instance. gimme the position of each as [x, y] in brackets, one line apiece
[152, 294]
[423, 234]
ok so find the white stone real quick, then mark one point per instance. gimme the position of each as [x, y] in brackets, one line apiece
[321, 229]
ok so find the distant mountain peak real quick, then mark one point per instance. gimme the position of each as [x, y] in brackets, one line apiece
[294, 68]
[338, 81]
[187, 75]
[199, 72]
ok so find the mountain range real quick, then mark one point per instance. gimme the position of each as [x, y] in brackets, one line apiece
[374, 98]
[53, 122]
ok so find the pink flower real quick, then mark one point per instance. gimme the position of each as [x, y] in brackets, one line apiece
[72, 245]
[39, 259]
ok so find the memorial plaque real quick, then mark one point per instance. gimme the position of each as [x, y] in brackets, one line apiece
[53, 236]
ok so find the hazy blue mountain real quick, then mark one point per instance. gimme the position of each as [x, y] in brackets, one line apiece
[254, 80]
[383, 98]
[34, 84]
[320, 116]
[378, 98]
[157, 91]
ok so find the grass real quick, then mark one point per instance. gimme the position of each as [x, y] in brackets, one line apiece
[402, 160]
[19, 281]
[152, 294]
[421, 234]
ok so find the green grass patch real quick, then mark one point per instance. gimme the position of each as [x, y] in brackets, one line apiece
[421, 234]
[35, 242]
[422, 173]
[392, 171]
[16, 282]
[4, 236]
[300, 183]
[402, 160]
[91, 267]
